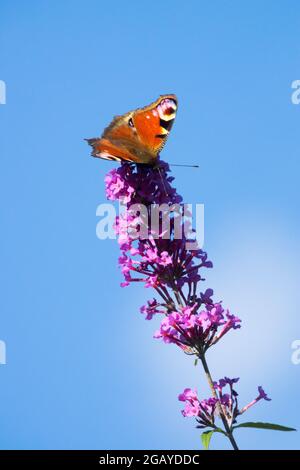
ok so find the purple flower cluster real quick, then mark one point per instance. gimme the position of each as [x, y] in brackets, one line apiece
[147, 255]
[192, 321]
[141, 184]
[196, 329]
[205, 411]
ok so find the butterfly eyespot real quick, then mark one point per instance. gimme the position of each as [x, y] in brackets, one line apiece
[130, 122]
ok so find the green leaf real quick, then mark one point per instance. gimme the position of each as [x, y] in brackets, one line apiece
[206, 437]
[271, 426]
[196, 362]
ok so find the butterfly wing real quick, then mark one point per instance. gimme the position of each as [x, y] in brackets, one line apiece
[107, 150]
[137, 136]
[154, 122]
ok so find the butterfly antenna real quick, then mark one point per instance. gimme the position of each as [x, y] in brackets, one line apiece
[187, 166]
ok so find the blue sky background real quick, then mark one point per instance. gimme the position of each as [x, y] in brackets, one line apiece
[82, 368]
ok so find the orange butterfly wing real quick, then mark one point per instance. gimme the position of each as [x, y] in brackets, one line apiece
[137, 136]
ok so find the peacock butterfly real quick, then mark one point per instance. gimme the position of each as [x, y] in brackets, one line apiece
[137, 136]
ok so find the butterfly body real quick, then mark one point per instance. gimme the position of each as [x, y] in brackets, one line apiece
[137, 136]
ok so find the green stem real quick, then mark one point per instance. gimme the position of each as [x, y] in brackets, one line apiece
[214, 393]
